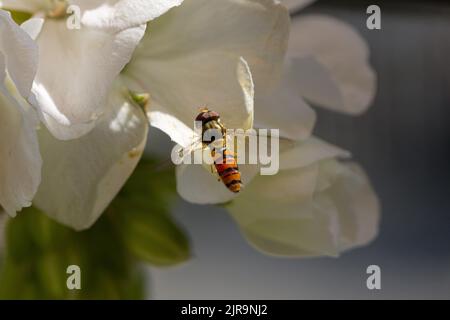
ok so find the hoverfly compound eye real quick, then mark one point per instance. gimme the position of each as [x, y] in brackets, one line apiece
[207, 116]
[200, 116]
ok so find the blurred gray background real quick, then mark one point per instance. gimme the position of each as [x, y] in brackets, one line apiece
[403, 143]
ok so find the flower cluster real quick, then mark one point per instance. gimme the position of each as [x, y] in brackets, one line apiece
[76, 105]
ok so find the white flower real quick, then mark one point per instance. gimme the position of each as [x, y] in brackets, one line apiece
[182, 63]
[77, 67]
[199, 53]
[188, 59]
[316, 205]
[326, 64]
[20, 160]
[330, 64]
[81, 177]
[79, 94]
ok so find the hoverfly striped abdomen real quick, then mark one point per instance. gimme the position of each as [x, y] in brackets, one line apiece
[228, 170]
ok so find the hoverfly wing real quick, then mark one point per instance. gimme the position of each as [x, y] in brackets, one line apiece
[181, 153]
[187, 151]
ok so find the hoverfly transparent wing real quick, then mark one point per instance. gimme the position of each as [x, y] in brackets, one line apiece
[183, 154]
[195, 145]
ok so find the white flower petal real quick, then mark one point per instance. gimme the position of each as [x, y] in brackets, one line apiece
[293, 155]
[20, 164]
[118, 15]
[285, 109]
[57, 123]
[294, 5]
[30, 6]
[33, 27]
[331, 61]
[20, 52]
[178, 131]
[82, 176]
[289, 187]
[320, 221]
[236, 111]
[76, 70]
[357, 203]
[20, 160]
[285, 225]
[196, 184]
[301, 154]
[184, 64]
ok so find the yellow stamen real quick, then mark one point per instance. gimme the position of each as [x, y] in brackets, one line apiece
[141, 99]
[57, 9]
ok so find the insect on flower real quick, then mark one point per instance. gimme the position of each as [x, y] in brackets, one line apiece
[225, 164]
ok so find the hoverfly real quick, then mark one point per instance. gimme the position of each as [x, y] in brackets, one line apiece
[219, 148]
[225, 163]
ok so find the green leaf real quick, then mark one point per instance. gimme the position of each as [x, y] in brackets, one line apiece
[38, 252]
[142, 214]
[136, 226]
[154, 238]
